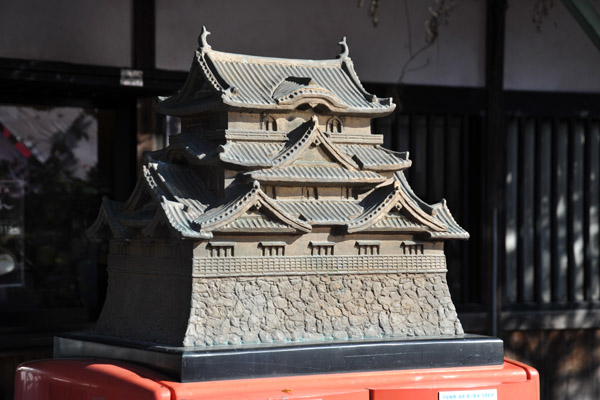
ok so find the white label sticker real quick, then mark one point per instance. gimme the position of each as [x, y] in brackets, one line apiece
[485, 394]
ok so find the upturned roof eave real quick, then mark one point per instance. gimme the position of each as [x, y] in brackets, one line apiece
[237, 205]
[387, 167]
[225, 93]
[321, 182]
[223, 55]
[174, 108]
[228, 105]
[233, 105]
[222, 88]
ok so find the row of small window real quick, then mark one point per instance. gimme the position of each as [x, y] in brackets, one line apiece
[313, 193]
[364, 247]
[334, 125]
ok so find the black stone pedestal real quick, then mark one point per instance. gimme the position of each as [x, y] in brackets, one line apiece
[186, 364]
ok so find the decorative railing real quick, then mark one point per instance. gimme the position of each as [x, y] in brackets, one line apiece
[326, 265]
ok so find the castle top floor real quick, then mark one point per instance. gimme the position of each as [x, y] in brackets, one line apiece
[224, 84]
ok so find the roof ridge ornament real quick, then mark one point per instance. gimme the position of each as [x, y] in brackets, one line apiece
[202, 39]
[345, 50]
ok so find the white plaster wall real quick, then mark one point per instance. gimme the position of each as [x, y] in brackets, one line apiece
[81, 31]
[559, 58]
[312, 28]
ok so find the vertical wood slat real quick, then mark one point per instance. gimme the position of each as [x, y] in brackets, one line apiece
[453, 165]
[402, 134]
[560, 262]
[543, 172]
[552, 209]
[510, 209]
[575, 212]
[437, 153]
[526, 210]
[479, 276]
[453, 194]
[465, 141]
[418, 143]
[592, 225]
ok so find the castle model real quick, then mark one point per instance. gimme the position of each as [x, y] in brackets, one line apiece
[275, 216]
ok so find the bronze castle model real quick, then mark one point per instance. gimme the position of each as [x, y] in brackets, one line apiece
[275, 216]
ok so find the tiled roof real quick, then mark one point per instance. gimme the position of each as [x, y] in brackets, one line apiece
[256, 223]
[235, 199]
[293, 87]
[454, 231]
[172, 193]
[375, 204]
[439, 211]
[238, 200]
[253, 82]
[188, 208]
[316, 175]
[193, 145]
[107, 223]
[250, 154]
[377, 158]
[396, 222]
[182, 185]
[179, 220]
[180, 194]
[323, 212]
[264, 153]
[185, 213]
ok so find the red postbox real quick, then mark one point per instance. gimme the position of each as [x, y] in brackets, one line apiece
[95, 379]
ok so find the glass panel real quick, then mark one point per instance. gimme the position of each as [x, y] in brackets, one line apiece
[11, 233]
[50, 181]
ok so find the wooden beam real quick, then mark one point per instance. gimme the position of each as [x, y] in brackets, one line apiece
[494, 160]
[144, 34]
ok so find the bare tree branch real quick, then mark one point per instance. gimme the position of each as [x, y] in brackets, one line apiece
[439, 14]
[541, 10]
[373, 10]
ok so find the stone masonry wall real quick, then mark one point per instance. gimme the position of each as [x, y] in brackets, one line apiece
[320, 307]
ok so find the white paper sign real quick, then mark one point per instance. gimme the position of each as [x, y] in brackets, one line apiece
[485, 394]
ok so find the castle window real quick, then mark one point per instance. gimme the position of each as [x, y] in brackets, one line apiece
[321, 248]
[270, 123]
[409, 247]
[309, 192]
[334, 125]
[271, 191]
[220, 249]
[272, 248]
[368, 247]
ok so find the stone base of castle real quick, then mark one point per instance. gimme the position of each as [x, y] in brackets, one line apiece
[180, 310]
[300, 308]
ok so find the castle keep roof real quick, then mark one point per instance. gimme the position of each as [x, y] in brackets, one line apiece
[191, 212]
[220, 80]
[174, 196]
[278, 151]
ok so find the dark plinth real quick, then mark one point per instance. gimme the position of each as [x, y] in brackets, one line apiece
[239, 362]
